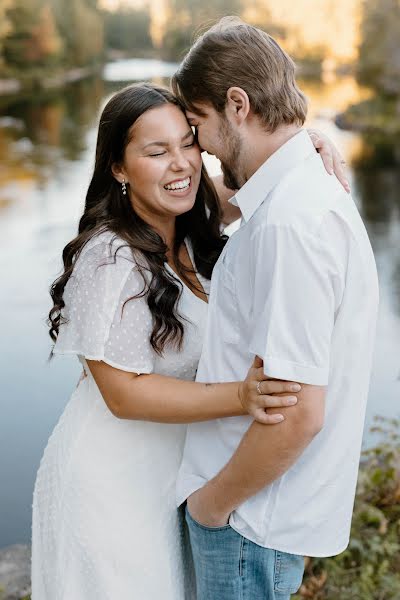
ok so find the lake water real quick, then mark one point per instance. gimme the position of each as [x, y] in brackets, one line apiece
[46, 156]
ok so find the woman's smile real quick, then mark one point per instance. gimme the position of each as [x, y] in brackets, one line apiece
[179, 187]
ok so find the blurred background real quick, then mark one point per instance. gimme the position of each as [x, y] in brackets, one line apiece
[60, 60]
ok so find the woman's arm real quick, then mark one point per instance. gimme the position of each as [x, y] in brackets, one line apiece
[332, 159]
[169, 400]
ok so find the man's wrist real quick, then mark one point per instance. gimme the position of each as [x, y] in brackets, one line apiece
[216, 499]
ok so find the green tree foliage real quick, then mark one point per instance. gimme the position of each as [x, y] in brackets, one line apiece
[379, 55]
[189, 17]
[33, 38]
[43, 33]
[5, 27]
[370, 567]
[128, 30]
[82, 30]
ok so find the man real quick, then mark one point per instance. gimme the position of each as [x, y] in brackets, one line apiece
[296, 285]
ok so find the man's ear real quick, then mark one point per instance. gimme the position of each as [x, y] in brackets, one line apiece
[118, 172]
[237, 104]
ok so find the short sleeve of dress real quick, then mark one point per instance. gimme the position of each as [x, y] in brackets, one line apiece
[102, 322]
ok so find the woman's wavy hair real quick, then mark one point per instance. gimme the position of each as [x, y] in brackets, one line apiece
[108, 209]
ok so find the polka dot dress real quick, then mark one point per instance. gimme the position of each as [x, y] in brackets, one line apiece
[105, 524]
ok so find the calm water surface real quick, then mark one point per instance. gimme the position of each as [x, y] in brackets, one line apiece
[46, 156]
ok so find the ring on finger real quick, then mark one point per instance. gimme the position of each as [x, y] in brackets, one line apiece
[259, 388]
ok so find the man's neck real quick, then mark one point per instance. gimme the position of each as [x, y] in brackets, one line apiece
[264, 145]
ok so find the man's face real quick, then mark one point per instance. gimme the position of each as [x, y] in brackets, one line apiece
[217, 136]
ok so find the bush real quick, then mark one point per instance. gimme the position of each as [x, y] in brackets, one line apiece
[370, 567]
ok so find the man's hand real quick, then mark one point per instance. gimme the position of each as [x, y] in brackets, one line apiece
[203, 510]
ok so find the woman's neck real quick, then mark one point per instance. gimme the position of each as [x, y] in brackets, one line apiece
[164, 225]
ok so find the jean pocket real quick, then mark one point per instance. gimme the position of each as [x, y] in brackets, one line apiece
[190, 521]
[289, 570]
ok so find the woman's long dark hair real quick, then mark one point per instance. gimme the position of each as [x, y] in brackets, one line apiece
[107, 209]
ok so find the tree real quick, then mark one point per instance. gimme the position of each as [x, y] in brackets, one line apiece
[189, 17]
[5, 27]
[379, 53]
[82, 28]
[128, 30]
[33, 38]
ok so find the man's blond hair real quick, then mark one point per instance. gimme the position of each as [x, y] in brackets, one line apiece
[235, 54]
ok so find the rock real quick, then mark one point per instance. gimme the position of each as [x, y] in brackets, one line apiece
[15, 576]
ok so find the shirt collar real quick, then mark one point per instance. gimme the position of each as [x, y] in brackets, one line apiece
[257, 188]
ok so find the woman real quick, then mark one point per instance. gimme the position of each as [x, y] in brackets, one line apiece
[131, 304]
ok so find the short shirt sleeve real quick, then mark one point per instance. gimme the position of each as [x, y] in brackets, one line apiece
[299, 283]
[99, 323]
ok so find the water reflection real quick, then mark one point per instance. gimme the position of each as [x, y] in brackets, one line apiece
[46, 156]
[53, 125]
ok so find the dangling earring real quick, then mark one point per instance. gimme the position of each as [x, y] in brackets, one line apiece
[123, 187]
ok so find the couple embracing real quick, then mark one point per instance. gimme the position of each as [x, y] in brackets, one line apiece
[276, 326]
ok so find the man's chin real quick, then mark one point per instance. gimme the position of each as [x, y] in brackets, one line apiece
[229, 181]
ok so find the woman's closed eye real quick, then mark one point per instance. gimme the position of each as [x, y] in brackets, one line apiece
[192, 143]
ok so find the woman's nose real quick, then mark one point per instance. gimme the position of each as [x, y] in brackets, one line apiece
[179, 161]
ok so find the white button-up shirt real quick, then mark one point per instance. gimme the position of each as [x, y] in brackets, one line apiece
[296, 285]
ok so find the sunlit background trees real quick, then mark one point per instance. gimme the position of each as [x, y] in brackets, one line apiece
[79, 32]
[42, 37]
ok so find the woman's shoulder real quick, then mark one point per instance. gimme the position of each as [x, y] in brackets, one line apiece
[107, 243]
[106, 248]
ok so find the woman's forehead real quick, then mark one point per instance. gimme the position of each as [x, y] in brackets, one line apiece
[162, 122]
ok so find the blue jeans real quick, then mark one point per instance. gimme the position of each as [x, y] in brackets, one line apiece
[231, 567]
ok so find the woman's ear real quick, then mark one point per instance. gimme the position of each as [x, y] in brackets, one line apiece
[237, 104]
[118, 172]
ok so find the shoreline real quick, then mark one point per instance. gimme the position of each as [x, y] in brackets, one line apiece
[39, 81]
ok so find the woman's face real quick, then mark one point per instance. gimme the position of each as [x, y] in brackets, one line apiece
[162, 164]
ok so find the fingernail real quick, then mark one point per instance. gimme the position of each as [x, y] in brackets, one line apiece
[295, 387]
[291, 400]
[279, 418]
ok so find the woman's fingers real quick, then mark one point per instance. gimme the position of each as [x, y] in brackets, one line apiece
[262, 417]
[331, 157]
[339, 165]
[275, 386]
[325, 151]
[258, 363]
[277, 401]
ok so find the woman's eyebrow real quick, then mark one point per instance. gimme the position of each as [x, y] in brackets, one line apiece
[159, 143]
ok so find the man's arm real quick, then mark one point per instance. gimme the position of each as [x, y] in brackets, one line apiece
[298, 283]
[262, 456]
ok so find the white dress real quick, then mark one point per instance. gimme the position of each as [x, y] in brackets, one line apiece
[105, 524]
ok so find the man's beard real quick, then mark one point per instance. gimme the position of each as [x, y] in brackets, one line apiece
[230, 164]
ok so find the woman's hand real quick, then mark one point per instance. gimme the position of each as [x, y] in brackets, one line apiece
[257, 393]
[332, 159]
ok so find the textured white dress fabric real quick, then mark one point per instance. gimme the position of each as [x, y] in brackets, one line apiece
[105, 524]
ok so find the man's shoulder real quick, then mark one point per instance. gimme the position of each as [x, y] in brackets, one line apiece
[305, 196]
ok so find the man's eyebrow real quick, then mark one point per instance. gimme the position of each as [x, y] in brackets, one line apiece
[185, 137]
